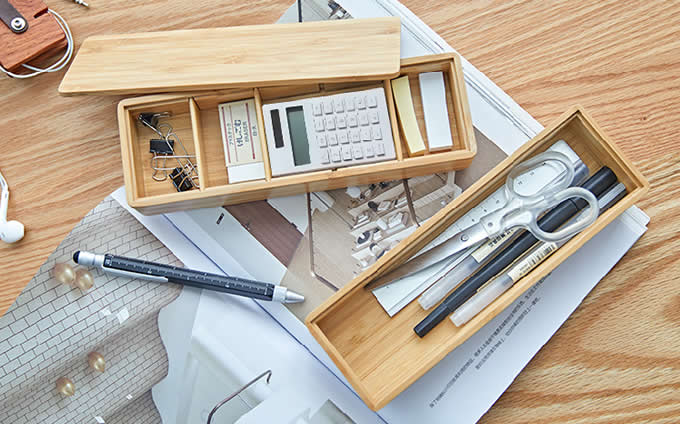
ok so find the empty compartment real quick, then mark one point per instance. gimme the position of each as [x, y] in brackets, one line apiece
[178, 123]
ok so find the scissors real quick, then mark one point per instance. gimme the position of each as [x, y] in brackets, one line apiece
[519, 210]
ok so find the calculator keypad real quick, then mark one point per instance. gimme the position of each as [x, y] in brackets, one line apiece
[355, 128]
[352, 120]
[343, 129]
[363, 118]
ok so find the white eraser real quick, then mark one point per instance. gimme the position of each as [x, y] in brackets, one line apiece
[246, 172]
[437, 125]
[100, 420]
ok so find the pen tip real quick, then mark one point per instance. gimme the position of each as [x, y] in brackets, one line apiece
[75, 256]
[292, 297]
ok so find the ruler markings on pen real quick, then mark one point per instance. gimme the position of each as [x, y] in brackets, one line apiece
[169, 271]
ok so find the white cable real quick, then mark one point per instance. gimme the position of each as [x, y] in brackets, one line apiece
[58, 65]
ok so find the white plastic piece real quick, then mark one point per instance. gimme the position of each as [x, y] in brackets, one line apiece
[246, 172]
[437, 125]
[448, 282]
[10, 231]
[482, 299]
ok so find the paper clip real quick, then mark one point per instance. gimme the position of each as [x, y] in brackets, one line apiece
[183, 175]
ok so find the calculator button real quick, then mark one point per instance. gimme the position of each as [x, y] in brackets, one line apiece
[360, 102]
[330, 123]
[358, 152]
[335, 154]
[363, 118]
[366, 134]
[377, 134]
[352, 119]
[342, 137]
[371, 101]
[328, 106]
[321, 140]
[346, 153]
[338, 106]
[373, 116]
[332, 139]
[318, 124]
[369, 151]
[355, 135]
[379, 149]
[349, 104]
[316, 108]
[341, 121]
[324, 157]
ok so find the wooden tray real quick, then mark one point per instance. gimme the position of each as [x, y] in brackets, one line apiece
[381, 356]
[195, 119]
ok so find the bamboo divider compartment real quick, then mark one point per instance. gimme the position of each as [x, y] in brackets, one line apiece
[195, 119]
[381, 356]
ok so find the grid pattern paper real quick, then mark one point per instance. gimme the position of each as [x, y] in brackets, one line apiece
[50, 329]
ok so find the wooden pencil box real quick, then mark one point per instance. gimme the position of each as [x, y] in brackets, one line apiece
[270, 64]
[195, 119]
[381, 356]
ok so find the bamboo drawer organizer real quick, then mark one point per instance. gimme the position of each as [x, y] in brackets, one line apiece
[295, 62]
[382, 356]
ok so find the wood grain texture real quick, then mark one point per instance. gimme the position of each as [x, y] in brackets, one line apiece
[380, 355]
[240, 56]
[617, 358]
[196, 115]
[42, 36]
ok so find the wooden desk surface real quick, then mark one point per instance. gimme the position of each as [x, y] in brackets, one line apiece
[617, 359]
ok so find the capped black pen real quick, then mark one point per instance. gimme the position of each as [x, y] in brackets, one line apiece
[598, 184]
[152, 271]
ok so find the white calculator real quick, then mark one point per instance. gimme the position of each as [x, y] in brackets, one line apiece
[331, 131]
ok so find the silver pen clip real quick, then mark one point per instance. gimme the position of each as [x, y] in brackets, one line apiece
[135, 275]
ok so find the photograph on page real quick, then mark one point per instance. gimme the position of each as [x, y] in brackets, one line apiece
[316, 243]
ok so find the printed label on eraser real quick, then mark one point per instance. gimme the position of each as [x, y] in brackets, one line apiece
[240, 134]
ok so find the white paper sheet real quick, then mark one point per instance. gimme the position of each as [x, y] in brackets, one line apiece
[243, 326]
[439, 396]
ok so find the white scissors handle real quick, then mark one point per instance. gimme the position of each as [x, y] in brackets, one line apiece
[557, 184]
[527, 216]
[525, 210]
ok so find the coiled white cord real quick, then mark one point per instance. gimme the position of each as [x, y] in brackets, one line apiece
[59, 64]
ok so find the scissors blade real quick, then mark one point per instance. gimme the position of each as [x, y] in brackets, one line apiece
[459, 242]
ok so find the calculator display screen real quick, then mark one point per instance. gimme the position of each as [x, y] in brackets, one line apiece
[298, 135]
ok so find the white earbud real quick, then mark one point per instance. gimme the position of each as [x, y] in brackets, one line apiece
[11, 231]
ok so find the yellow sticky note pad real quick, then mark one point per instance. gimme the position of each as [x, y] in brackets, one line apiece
[407, 116]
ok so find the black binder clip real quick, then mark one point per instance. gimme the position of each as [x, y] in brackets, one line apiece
[181, 180]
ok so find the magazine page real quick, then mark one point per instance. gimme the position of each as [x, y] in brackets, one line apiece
[217, 343]
[315, 243]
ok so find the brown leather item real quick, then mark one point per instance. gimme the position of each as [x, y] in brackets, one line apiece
[43, 35]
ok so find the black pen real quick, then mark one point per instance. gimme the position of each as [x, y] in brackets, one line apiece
[598, 184]
[135, 268]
